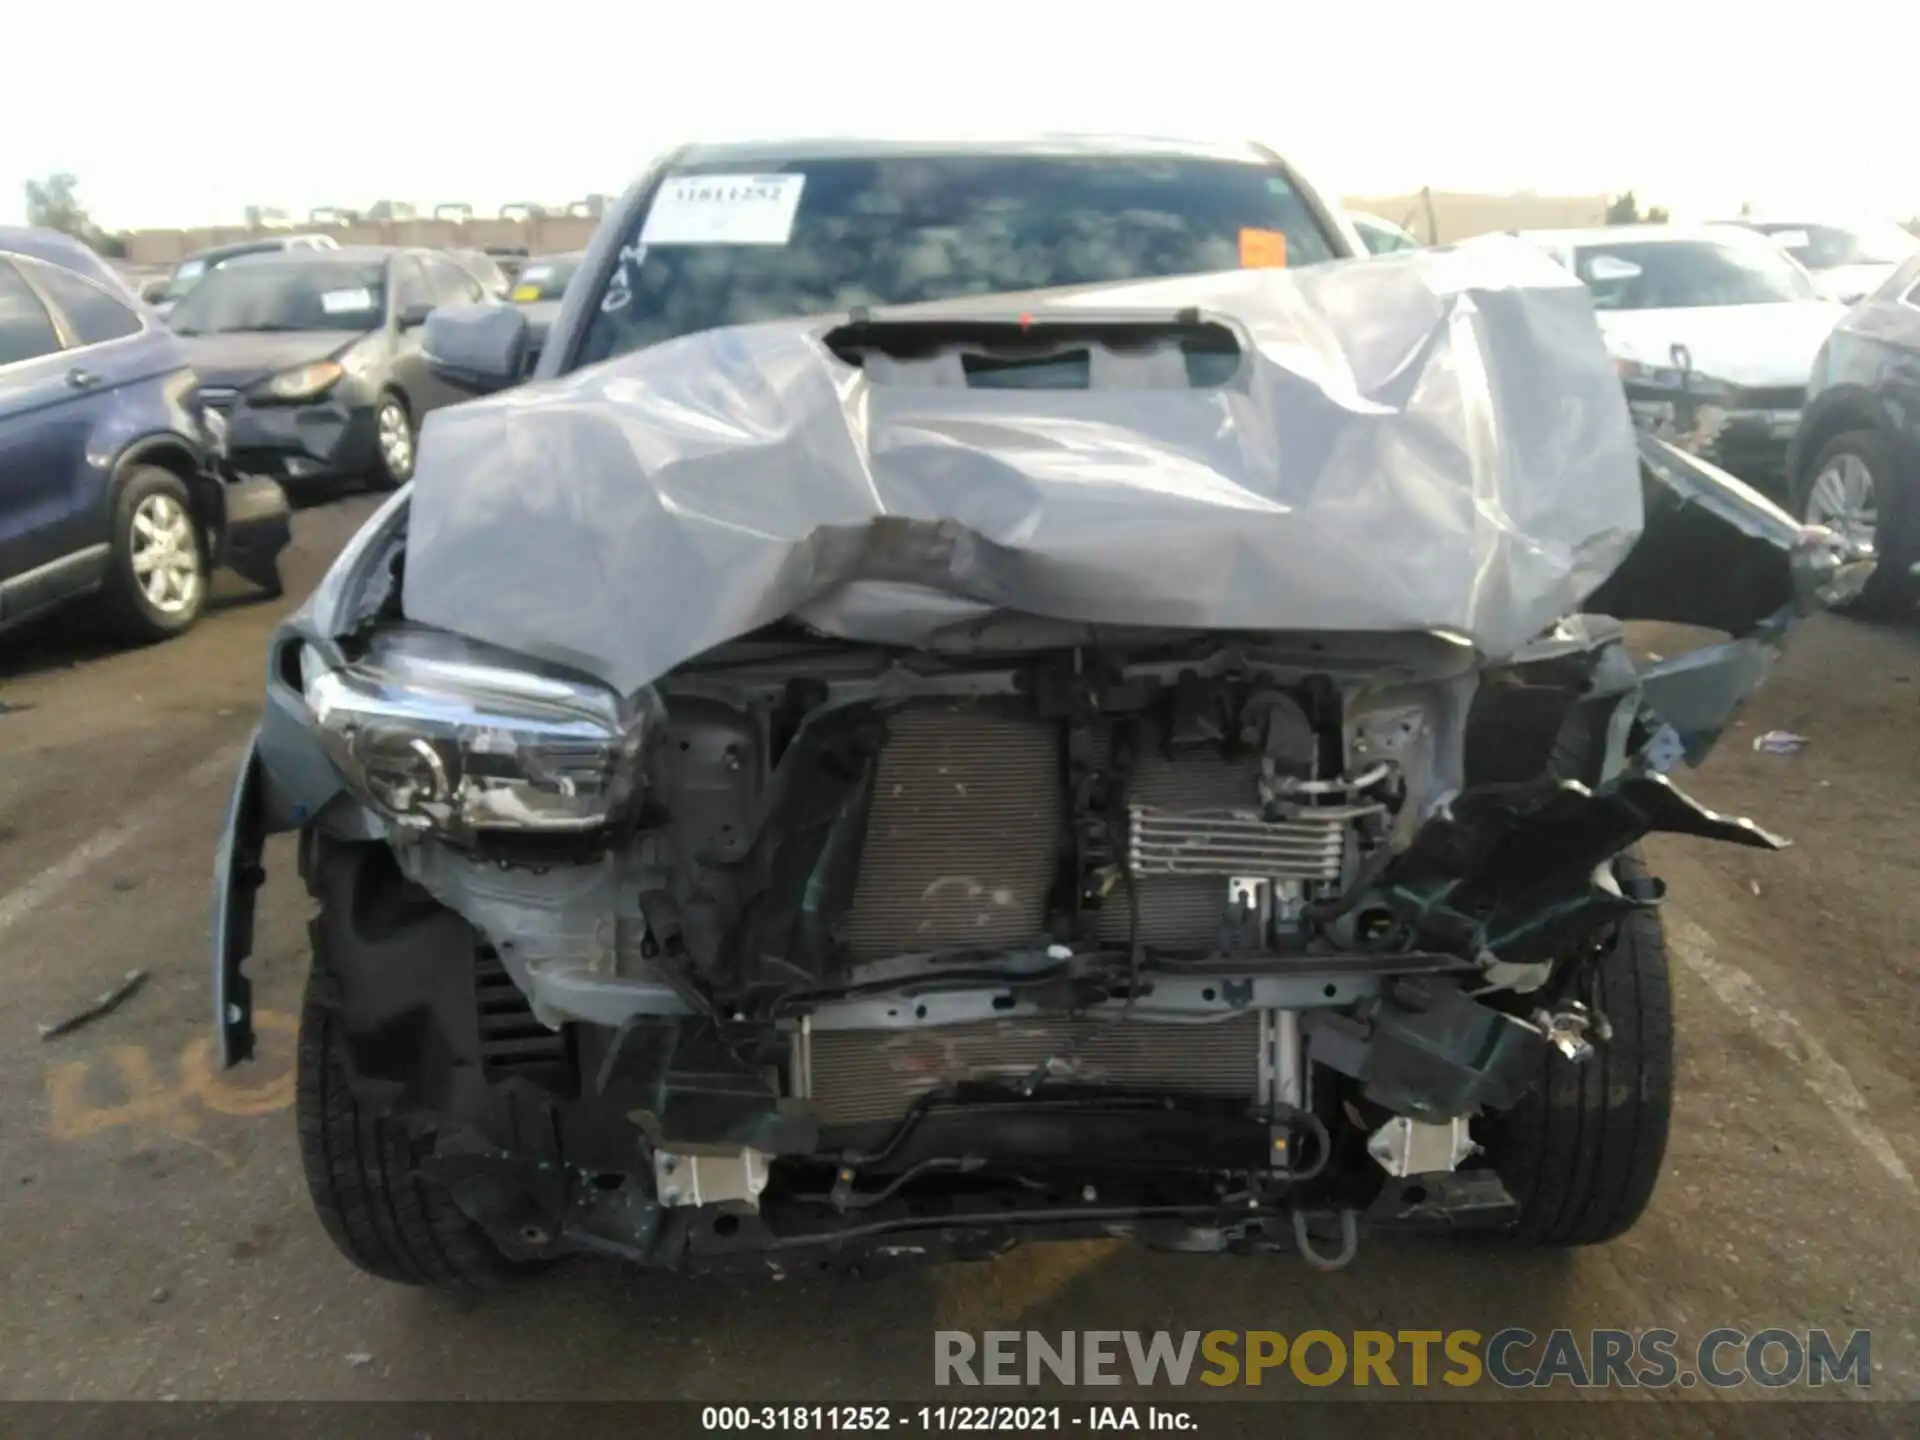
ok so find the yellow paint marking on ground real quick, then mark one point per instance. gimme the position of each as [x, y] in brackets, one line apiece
[999, 1292]
[146, 1101]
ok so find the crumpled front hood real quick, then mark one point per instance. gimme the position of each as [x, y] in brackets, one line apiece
[1435, 440]
[1760, 345]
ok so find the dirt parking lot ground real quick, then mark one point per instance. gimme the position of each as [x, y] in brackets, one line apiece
[156, 1240]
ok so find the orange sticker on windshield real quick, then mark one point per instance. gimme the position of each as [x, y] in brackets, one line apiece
[1263, 249]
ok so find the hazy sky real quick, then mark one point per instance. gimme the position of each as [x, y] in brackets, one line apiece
[183, 116]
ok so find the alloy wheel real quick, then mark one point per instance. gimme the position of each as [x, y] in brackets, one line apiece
[166, 554]
[396, 441]
[1844, 499]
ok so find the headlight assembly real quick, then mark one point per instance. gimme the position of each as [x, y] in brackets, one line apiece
[442, 738]
[303, 383]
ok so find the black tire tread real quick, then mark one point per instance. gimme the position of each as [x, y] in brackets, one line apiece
[1582, 1153]
[362, 1175]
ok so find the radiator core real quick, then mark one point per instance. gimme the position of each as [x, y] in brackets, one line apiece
[962, 836]
[964, 833]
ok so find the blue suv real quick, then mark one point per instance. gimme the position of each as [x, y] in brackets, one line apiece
[111, 483]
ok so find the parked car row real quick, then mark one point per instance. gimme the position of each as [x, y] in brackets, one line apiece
[1847, 262]
[1728, 345]
[313, 360]
[113, 478]
[140, 445]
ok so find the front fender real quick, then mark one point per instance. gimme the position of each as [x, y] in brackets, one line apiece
[238, 874]
[285, 782]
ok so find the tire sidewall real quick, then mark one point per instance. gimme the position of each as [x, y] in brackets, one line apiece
[133, 612]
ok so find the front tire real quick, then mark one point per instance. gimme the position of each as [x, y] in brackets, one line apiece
[393, 443]
[1855, 486]
[1582, 1152]
[363, 1176]
[156, 584]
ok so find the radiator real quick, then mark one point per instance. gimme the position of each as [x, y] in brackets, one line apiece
[1191, 829]
[962, 836]
[857, 1076]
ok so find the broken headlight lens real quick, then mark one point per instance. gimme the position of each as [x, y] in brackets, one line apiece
[441, 737]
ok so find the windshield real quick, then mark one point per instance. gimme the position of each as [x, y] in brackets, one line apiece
[545, 278]
[190, 272]
[1680, 274]
[1825, 247]
[828, 235]
[186, 275]
[285, 295]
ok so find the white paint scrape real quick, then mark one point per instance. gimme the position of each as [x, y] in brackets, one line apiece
[1782, 1030]
[16, 905]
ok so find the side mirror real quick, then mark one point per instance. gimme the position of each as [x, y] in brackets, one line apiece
[154, 291]
[414, 316]
[477, 348]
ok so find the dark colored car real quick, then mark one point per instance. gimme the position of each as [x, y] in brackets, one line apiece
[1856, 458]
[111, 482]
[313, 357]
[196, 267]
[910, 733]
[537, 290]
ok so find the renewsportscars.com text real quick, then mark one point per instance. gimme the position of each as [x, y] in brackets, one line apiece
[1512, 1358]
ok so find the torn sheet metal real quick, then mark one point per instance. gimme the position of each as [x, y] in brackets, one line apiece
[1435, 441]
[1719, 554]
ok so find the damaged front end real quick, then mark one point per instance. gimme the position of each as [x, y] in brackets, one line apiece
[928, 886]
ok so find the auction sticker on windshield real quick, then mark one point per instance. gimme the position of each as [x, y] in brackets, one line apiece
[724, 210]
[1263, 249]
[346, 302]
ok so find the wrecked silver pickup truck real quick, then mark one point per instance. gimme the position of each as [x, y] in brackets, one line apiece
[966, 702]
